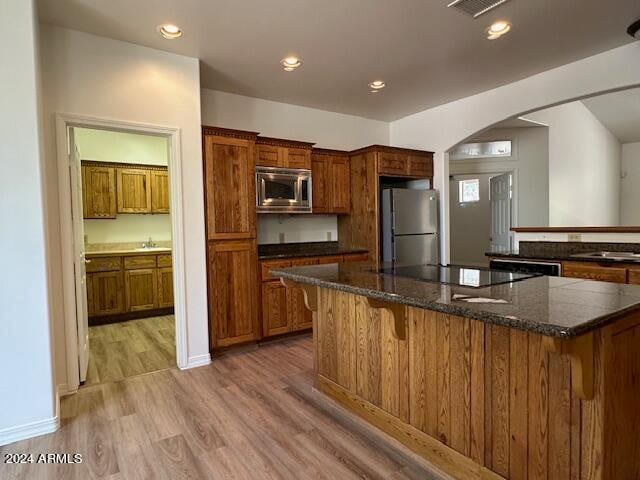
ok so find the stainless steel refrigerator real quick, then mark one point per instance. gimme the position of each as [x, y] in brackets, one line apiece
[410, 226]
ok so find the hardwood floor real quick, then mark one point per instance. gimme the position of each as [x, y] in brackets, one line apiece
[249, 415]
[126, 349]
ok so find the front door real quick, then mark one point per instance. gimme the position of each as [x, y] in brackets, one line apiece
[500, 194]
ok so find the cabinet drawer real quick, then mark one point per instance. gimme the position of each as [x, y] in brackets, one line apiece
[299, 262]
[164, 260]
[592, 271]
[331, 259]
[634, 276]
[139, 261]
[392, 164]
[356, 257]
[104, 264]
[267, 266]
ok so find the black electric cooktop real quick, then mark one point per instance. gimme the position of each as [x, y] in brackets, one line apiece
[461, 276]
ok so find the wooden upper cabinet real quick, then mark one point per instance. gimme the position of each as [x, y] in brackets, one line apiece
[159, 191]
[134, 190]
[275, 152]
[269, 156]
[340, 185]
[233, 292]
[402, 162]
[229, 187]
[298, 158]
[331, 182]
[320, 184]
[98, 192]
[392, 164]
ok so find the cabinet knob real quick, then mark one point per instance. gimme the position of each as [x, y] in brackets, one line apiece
[87, 261]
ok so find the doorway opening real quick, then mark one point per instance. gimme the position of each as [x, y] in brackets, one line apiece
[124, 286]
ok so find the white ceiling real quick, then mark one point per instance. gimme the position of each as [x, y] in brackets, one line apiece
[428, 54]
[619, 112]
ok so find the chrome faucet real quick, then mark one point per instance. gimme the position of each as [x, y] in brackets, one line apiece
[149, 244]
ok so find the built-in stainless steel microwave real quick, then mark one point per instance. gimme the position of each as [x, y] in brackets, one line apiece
[283, 190]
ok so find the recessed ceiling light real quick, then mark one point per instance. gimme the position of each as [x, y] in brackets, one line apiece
[497, 29]
[290, 63]
[170, 31]
[376, 86]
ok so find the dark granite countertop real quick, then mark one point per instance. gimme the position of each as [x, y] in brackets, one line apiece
[567, 251]
[553, 306]
[274, 251]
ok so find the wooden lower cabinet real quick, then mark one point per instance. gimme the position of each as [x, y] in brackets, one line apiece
[141, 289]
[274, 309]
[593, 271]
[298, 315]
[105, 293]
[165, 287]
[233, 297]
[634, 276]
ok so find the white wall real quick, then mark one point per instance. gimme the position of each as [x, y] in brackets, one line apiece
[128, 228]
[121, 147]
[630, 185]
[282, 120]
[584, 167]
[440, 128]
[95, 76]
[297, 228]
[26, 377]
[529, 161]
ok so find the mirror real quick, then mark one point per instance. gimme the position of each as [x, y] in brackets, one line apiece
[572, 165]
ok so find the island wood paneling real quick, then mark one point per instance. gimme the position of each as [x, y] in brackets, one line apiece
[492, 394]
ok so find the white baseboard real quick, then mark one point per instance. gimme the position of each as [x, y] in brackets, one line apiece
[197, 361]
[28, 430]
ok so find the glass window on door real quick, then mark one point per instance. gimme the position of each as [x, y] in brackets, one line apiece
[469, 190]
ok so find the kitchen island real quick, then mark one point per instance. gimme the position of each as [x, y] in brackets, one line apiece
[537, 378]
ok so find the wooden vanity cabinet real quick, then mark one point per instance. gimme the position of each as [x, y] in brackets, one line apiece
[133, 187]
[331, 182]
[105, 293]
[98, 192]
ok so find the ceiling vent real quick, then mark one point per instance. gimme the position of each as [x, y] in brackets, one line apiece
[475, 8]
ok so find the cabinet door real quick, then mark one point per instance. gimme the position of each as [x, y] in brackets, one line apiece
[297, 158]
[134, 190]
[230, 188]
[141, 289]
[420, 166]
[269, 156]
[299, 316]
[104, 293]
[593, 271]
[233, 292]
[340, 178]
[98, 192]
[320, 184]
[159, 191]
[274, 309]
[165, 287]
[392, 164]
[634, 276]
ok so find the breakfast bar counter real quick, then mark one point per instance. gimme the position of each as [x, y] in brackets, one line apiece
[483, 376]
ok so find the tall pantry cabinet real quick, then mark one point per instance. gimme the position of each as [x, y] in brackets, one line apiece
[232, 257]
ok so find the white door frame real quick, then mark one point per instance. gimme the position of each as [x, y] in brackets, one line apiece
[64, 120]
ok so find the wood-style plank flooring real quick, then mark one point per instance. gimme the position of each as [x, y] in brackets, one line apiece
[249, 415]
[126, 349]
